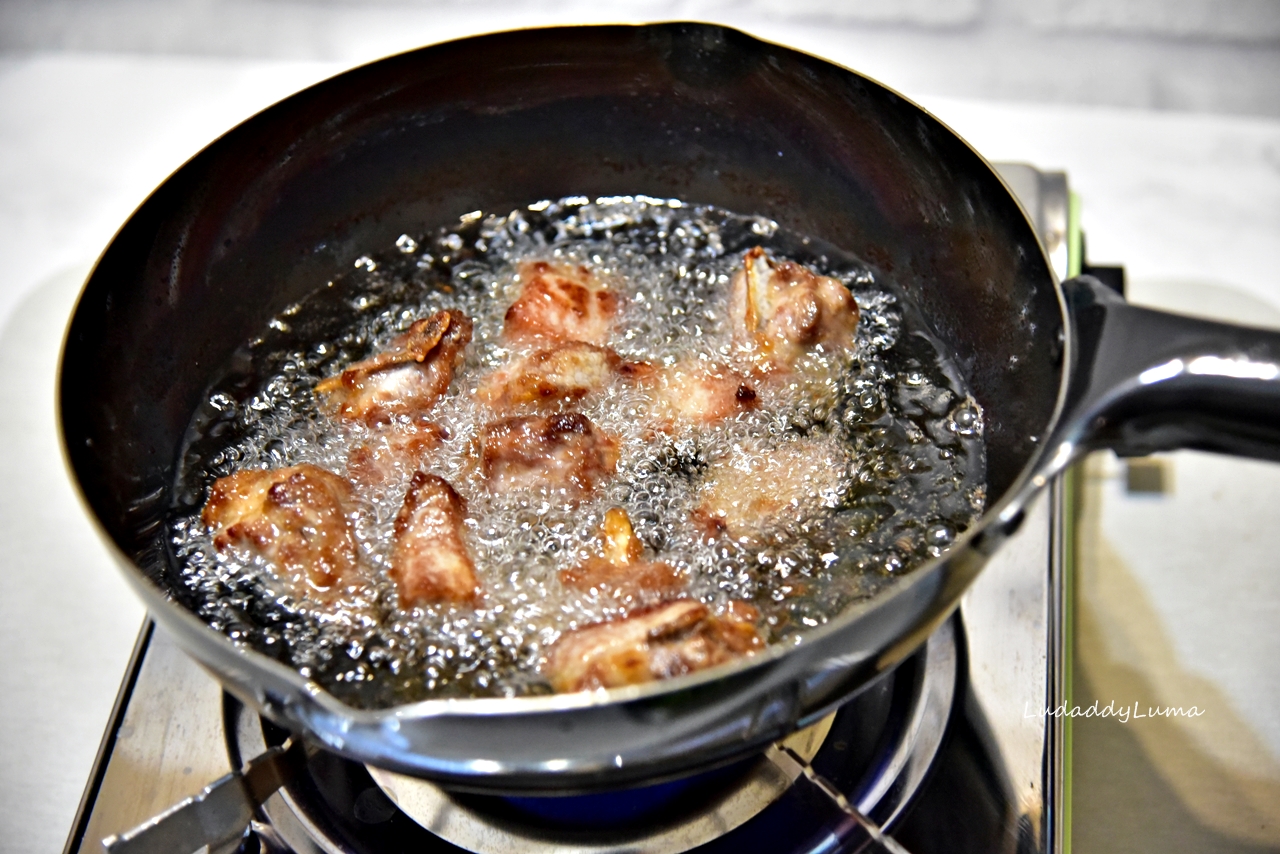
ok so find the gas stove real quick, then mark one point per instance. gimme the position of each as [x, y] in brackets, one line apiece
[950, 751]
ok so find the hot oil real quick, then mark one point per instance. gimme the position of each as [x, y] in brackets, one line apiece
[898, 465]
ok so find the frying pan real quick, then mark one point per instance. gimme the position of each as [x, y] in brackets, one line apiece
[287, 200]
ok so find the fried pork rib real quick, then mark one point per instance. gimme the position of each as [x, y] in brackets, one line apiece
[750, 491]
[565, 373]
[781, 309]
[560, 302]
[623, 571]
[665, 640]
[298, 518]
[546, 452]
[693, 394]
[429, 561]
[389, 456]
[407, 378]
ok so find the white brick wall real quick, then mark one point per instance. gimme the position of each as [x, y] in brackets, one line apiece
[1256, 21]
[927, 13]
[1192, 55]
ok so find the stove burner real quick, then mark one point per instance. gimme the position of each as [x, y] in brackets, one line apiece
[876, 749]
[599, 811]
[666, 818]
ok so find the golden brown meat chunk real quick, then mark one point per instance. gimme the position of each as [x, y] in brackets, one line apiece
[406, 379]
[665, 640]
[565, 373]
[780, 310]
[298, 518]
[391, 455]
[622, 570]
[752, 490]
[692, 393]
[429, 561]
[560, 302]
[547, 453]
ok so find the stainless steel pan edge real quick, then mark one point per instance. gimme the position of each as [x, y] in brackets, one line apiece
[611, 738]
[591, 740]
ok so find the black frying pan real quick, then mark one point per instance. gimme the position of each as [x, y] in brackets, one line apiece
[291, 197]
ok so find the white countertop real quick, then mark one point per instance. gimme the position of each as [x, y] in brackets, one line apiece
[1190, 204]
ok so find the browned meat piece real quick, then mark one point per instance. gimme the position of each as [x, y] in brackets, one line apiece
[407, 378]
[390, 455]
[780, 310]
[620, 544]
[429, 562]
[566, 373]
[297, 517]
[656, 643]
[552, 452]
[623, 571]
[559, 302]
[750, 491]
[694, 393]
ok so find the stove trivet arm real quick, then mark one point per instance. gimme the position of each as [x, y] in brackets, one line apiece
[219, 815]
[784, 756]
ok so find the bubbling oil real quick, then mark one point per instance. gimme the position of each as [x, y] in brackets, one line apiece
[901, 471]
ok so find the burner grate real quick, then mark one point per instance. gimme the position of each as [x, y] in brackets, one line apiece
[877, 747]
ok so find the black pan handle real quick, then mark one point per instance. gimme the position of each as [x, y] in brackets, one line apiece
[1145, 380]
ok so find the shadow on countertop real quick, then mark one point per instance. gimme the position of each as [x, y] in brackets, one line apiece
[1161, 784]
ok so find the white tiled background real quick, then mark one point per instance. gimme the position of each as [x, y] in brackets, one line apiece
[1202, 55]
[1166, 115]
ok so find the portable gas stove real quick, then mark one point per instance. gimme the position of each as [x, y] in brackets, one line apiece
[949, 752]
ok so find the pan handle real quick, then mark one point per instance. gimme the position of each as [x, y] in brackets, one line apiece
[1145, 381]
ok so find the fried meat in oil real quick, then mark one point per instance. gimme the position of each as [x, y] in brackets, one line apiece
[754, 490]
[695, 394]
[560, 302]
[659, 642]
[405, 380]
[780, 310]
[390, 455]
[564, 453]
[565, 373]
[622, 570]
[298, 518]
[429, 561]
